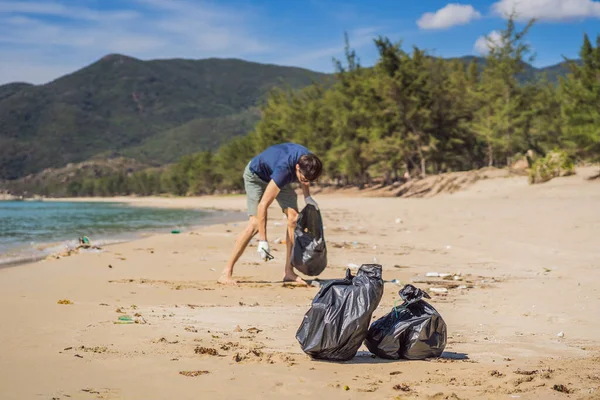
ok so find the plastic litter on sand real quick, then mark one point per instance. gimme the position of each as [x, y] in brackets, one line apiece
[438, 290]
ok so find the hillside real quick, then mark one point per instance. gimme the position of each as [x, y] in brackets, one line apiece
[152, 111]
[121, 105]
[531, 73]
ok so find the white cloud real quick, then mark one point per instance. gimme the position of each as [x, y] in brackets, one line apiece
[483, 43]
[548, 10]
[451, 15]
[41, 40]
[60, 10]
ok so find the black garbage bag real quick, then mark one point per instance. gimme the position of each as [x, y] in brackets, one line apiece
[338, 320]
[414, 330]
[309, 254]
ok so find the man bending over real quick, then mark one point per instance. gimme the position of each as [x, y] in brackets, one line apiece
[267, 177]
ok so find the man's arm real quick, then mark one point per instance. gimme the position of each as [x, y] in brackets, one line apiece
[270, 194]
[306, 190]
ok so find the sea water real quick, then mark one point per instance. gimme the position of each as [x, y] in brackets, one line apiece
[30, 230]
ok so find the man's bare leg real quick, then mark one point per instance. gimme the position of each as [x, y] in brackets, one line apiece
[240, 245]
[289, 274]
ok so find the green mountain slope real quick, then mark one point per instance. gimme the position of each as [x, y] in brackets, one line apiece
[119, 103]
[530, 73]
[170, 145]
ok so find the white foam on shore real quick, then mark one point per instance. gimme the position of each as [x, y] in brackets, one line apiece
[38, 251]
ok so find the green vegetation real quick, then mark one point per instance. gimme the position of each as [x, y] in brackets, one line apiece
[555, 164]
[410, 113]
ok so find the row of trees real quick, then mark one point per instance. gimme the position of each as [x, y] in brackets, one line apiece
[409, 113]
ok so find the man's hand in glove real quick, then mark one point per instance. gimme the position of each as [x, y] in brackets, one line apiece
[264, 250]
[311, 201]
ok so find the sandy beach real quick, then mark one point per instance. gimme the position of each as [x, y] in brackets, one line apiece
[526, 326]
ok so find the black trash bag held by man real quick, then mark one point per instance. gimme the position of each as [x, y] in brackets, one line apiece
[338, 320]
[309, 254]
[413, 330]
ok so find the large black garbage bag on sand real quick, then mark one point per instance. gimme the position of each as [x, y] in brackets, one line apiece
[338, 320]
[413, 330]
[309, 254]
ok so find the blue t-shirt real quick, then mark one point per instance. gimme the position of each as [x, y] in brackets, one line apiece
[278, 163]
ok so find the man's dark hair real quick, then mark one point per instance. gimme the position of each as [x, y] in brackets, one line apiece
[310, 166]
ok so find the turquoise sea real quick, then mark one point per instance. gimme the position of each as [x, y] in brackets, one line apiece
[30, 230]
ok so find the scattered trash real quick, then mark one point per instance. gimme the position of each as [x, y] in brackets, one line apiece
[277, 241]
[375, 247]
[396, 281]
[277, 224]
[398, 220]
[84, 244]
[448, 247]
[438, 290]
[64, 301]
[315, 284]
[124, 320]
[175, 231]
[338, 320]
[413, 330]
[561, 335]
[309, 254]
[438, 274]
[353, 266]
[212, 269]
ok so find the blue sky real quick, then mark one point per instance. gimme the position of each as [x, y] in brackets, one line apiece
[41, 40]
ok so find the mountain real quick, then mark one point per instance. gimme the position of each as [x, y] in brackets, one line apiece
[531, 73]
[151, 111]
[154, 110]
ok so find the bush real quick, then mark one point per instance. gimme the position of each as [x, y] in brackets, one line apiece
[555, 164]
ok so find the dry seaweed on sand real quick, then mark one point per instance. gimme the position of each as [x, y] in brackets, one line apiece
[206, 350]
[193, 373]
[402, 387]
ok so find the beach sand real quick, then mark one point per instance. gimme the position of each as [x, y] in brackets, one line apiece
[530, 253]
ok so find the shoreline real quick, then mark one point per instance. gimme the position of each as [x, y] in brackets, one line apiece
[21, 253]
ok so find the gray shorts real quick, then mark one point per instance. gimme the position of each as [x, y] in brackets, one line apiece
[255, 188]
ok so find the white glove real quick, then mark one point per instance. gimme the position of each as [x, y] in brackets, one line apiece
[264, 250]
[311, 201]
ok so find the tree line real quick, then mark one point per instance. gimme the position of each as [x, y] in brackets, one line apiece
[409, 113]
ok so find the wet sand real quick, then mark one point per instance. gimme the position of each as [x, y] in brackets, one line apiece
[529, 257]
